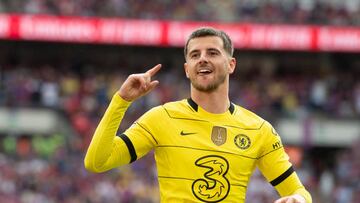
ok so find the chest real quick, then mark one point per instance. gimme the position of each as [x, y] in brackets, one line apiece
[212, 136]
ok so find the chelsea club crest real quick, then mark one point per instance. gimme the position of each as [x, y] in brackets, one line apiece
[242, 141]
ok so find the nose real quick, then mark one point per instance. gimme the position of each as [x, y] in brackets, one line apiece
[203, 59]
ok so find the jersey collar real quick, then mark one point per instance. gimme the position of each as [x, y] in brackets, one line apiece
[195, 106]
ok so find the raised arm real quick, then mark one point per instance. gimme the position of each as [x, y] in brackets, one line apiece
[106, 150]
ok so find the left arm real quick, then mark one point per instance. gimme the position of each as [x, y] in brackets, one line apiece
[275, 166]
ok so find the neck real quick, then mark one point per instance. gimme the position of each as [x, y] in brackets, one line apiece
[213, 102]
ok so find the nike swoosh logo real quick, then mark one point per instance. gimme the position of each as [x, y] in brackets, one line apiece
[184, 133]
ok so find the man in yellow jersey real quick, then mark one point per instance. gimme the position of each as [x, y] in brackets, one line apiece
[206, 147]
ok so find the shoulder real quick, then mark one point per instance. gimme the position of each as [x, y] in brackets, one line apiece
[170, 109]
[248, 119]
[254, 121]
[177, 109]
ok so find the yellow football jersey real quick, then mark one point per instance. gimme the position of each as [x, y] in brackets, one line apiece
[200, 156]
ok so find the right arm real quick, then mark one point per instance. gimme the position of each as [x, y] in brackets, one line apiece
[105, 144]
[106, 150]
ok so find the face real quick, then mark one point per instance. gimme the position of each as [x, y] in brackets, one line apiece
[207, 64]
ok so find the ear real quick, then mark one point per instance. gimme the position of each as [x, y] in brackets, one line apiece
[186, 70]
[232, 65]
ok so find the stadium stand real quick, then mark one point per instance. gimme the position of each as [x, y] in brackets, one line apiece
[335, 12]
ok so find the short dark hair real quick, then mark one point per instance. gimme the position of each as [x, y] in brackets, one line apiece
[209, 31]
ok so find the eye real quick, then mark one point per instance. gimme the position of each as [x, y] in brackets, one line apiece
[213, 53]
[194, 55]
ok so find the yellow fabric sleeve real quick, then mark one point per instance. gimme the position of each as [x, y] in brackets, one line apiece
[291, 186]
[273, 160]
[275, 166]
[106, 150]
[145, 131]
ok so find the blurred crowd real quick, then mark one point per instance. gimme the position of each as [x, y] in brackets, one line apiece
[31, 179]
[258, 84]
[334, 12]
[83, 95]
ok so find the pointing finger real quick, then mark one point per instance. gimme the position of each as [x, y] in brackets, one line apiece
[154, 70]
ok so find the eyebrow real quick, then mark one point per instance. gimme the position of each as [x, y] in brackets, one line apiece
[209, 49]
[213, 49]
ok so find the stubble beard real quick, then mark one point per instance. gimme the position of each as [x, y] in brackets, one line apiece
[209, 87]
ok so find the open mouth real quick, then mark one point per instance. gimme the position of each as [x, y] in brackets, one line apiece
[204, 71]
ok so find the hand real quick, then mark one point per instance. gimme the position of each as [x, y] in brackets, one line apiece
[291, 199]
[137, 85]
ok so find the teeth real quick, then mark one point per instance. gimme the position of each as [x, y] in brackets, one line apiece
[204, 71]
